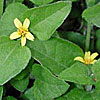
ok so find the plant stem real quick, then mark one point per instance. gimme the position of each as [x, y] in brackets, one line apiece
[87, 45]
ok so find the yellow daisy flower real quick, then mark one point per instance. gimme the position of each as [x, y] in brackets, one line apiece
[22, 31]
[88, 59]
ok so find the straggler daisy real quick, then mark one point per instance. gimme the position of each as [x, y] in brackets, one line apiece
[22, 31]
[88, 58]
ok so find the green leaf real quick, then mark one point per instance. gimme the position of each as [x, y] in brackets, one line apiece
[26, 71]
[29, 94]
[14, 10]
[7, 2]
[45, 20]
[47, 86]
[61, 98]
[56, 54]
[12, 61]
[41, 2]
[77, 94]
[9, 98]
[22, 75]
[90, 2]
[92, 15]
[96, 70]
[1, 92]
[1, 7]
[13, 1]
[20, 85]
[72, 0]
[74, 37]
[78, 73]
[81, 94]
[98, 45]
[98, 34]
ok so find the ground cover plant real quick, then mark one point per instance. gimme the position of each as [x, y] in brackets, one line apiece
[49, 50]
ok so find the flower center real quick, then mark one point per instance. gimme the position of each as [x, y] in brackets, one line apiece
[22, 31]
[87, 61]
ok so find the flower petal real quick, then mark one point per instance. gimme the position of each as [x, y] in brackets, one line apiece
[15, 35]
[29, 36]
[23, 41]
[93, 62]
[17, 23]
[26, 23]
[94, 55]
[80, 59]
[87, 55]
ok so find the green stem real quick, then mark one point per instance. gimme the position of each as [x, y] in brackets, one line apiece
[87, 45]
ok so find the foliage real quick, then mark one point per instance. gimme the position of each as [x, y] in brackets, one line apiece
[45, 69]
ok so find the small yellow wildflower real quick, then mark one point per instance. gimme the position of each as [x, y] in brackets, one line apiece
[88, 59]
[22, 31]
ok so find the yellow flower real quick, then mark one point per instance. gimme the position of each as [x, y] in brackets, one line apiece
[22, 31]
[88, 59]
